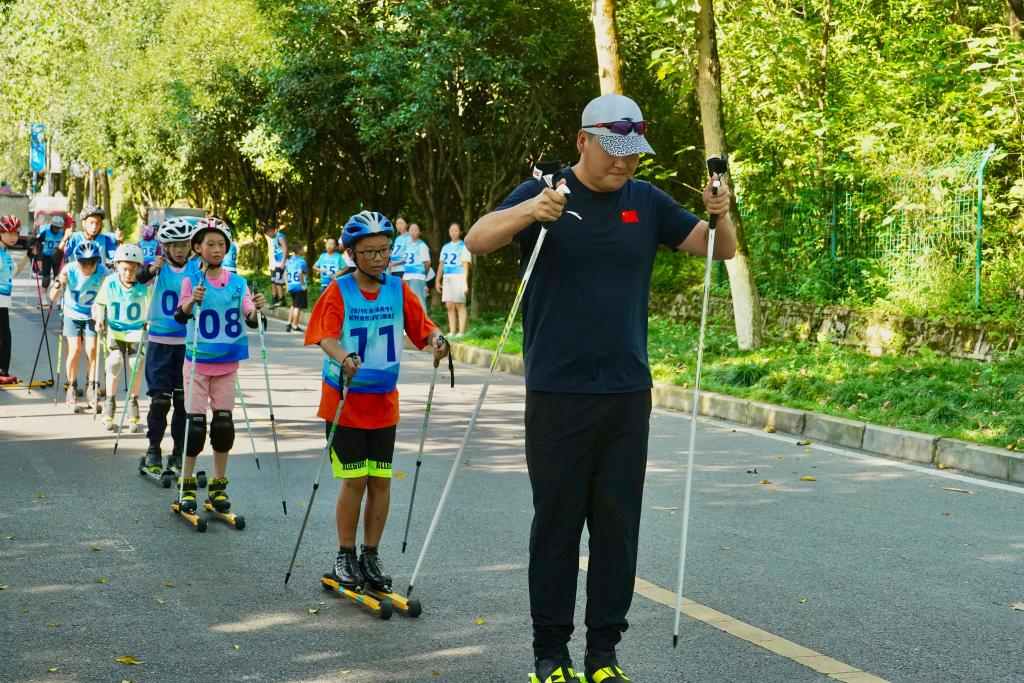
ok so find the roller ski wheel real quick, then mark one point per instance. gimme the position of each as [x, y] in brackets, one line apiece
[195, 520]
[382, 608]
[410, 607]
[134, 426]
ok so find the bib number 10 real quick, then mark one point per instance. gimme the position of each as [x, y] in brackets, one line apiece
[210, 323]
[132, 312]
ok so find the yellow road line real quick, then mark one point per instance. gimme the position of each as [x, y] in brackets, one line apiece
[832, 668]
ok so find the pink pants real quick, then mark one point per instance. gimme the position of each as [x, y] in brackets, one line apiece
[217, 392]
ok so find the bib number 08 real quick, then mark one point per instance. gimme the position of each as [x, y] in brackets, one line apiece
[210, 323]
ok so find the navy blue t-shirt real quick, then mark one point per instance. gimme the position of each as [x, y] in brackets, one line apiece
[585, 308]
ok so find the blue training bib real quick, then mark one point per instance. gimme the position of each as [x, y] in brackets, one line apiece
[166, 293]
[81, 291]
[373, 330]
[222, 337]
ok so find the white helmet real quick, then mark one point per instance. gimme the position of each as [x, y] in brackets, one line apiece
[213, 224]
[176, 230]
[128, 252]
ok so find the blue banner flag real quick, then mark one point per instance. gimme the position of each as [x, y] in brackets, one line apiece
[37, 148]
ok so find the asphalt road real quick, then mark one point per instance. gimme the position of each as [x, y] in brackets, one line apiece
[873, 571]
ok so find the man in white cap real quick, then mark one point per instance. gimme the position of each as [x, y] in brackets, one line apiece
[588, 381]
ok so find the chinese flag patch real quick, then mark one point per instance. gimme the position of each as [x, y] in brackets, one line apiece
[630, 217]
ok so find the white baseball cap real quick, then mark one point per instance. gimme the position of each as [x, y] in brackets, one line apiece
[618, 124]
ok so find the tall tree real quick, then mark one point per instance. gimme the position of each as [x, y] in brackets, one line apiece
[602, 14]
[746, 303]
[1015, 18]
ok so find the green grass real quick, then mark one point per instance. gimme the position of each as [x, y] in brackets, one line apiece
[968, 400]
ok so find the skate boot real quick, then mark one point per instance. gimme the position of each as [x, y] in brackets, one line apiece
[109, 408]
[187, 502]
[93, 399]
[369, 563]
[601, 665]
[347, 571]
[174, 460]
[154, 461]
[72, 398]
[555, 669]
[134, 425]
[218, 494]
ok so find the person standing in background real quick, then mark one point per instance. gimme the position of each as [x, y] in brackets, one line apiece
[417, 264]
[453, 280]
[398, 249]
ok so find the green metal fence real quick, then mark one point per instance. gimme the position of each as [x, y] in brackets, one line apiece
[922, 226]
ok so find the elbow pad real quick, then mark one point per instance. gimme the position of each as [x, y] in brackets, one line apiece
[180, 316]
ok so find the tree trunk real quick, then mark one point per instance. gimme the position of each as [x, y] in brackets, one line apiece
[1015, 18]
[76, 195]
[826, 20]
[103, 190]
[745, 300]
[603, 16]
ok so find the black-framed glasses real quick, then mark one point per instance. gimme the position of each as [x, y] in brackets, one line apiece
[374, 254]
[622, 127]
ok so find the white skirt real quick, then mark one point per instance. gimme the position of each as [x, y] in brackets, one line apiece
[453, 289]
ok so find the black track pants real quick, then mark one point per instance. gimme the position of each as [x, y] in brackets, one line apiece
[587, 454]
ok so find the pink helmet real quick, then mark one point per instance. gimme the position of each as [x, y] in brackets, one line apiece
[149, 231]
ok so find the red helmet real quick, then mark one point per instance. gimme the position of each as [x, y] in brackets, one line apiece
[10, 224]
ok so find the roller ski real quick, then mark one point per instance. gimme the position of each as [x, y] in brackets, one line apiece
[109, 408]
[378, 584]
[151, 465]
[25, 385]
[347, 579]
[185, 507]
[218, 503]
[556, 670]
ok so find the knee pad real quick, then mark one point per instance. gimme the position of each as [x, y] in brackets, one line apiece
[115, 360]
[178, 400]
[160, 405]
[196, 434]
[46, 281]
[222, 431]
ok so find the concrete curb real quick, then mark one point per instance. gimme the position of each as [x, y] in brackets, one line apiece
[877, 440]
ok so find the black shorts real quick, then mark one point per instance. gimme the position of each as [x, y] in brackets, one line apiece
[299, 299]
[359, 452]
[277, 275]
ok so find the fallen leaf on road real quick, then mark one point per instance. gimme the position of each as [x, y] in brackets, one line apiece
[956, 490]
[1019, 606]
[52, 624]
[95, 548]
[779, 457]
[808, 478]
[804, 442]
[479, 621]
[298, 564]
[765, 481]
[24, 610]
[4, 587]
[161, 601]
[807, 450]
[169, 584]
[128, 659]
[725, 547]
[752, 470]
[54, 669]
[770, 429]
[9, 538]
[313, 610]
[771, 490]
[802, 601]
[665, 507]
[942, 466]
[127, 680]
[39, 495]
[237, 647]
[102, 580]
[399, 475]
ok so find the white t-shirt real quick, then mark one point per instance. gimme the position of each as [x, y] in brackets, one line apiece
[415, 258]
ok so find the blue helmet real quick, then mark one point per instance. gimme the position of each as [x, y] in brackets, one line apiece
[87, 250]
[364, 224]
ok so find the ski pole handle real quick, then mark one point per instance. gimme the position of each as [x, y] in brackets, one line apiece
[717, 166]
